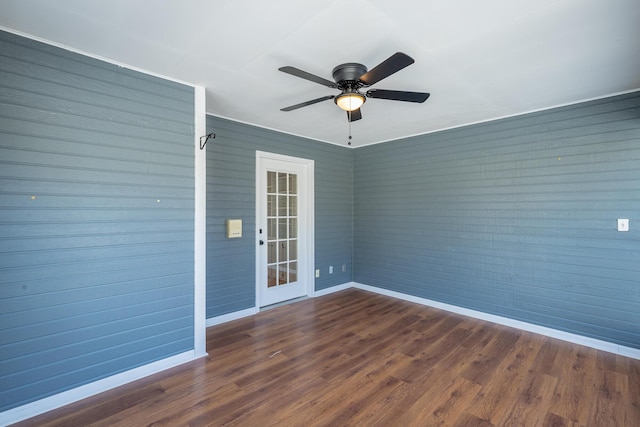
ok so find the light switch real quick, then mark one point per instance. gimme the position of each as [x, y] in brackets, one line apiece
[623, 224]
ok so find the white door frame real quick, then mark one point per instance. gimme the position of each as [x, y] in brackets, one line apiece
[307, 265]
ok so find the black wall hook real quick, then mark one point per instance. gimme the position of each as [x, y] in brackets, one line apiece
[207, 138]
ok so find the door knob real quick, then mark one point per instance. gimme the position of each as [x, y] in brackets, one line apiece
[261, 242]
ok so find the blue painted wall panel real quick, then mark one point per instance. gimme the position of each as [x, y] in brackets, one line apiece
[514, 217]
[96, 213]
[231, 163]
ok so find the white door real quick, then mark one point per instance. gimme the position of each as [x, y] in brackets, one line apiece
[284, 228]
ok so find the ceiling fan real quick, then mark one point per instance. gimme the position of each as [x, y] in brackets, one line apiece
[351, 77]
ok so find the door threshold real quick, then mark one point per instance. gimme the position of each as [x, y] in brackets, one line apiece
[280, 304]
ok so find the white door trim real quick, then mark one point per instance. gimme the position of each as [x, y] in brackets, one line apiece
[309, 228]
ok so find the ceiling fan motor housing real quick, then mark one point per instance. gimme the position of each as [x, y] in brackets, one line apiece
[348, 75]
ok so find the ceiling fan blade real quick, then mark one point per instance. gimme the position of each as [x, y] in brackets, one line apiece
[391, 65]
[398, 95]
[354, 115]
[308, 76]
[304, 104]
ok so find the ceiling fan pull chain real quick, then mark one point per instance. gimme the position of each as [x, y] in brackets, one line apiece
[349, 142]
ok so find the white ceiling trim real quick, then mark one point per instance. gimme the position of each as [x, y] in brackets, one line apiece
[94, 56]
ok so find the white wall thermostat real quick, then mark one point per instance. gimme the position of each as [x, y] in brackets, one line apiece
[234, 228]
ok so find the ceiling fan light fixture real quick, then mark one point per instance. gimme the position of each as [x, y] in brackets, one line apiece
[350, 101]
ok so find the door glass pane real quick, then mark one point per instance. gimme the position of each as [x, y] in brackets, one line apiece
[272, 274]
[293, 228]
[293, 249]
[282, 229]
[271, 229]
[282, 205]
[271, 182]
[271, 252]
[271, 205]
[293, 205]
[283, 274]
[282, 182]
[293, 272]
[293, 184]
[282, 251]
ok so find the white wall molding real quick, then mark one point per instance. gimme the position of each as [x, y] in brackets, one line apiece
[94, 56]
[70, 396]
[597, 344]
[335, 289]
[633, 353]
[212, 321]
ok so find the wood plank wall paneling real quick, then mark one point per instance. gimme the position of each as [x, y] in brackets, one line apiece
[96, 213]
[231, 162]
[515, 217]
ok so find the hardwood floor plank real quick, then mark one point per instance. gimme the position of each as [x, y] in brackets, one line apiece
[444, 345]
[632, 401]
[491, 402]
[546, 357]
[355, 358]
[483, 367]
[533, 398]
[576, 391]
[553, 420]
[443, 403]
[608, 409]
[468, 420]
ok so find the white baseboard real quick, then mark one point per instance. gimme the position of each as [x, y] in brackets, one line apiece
[633, 353]
[231, 316]
[333, 289]
[212, 321]
[70, 396]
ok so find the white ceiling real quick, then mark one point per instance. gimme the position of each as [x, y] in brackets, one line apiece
[480, 60]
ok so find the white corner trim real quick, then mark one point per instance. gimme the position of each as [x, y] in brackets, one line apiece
[70, 396]
[212, 321]
[633, 353]
[200, 226]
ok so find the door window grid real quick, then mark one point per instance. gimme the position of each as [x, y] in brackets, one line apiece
[282, 228]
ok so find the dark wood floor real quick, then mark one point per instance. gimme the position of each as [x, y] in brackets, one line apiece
[356, 358]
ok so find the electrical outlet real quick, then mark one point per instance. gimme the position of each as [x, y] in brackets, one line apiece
[317, 273]
[623, 224]
[331, 269]
[344, 268]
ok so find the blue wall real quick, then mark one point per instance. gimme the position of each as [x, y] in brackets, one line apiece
[515, 217]
[96, 213]
[231, 193]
